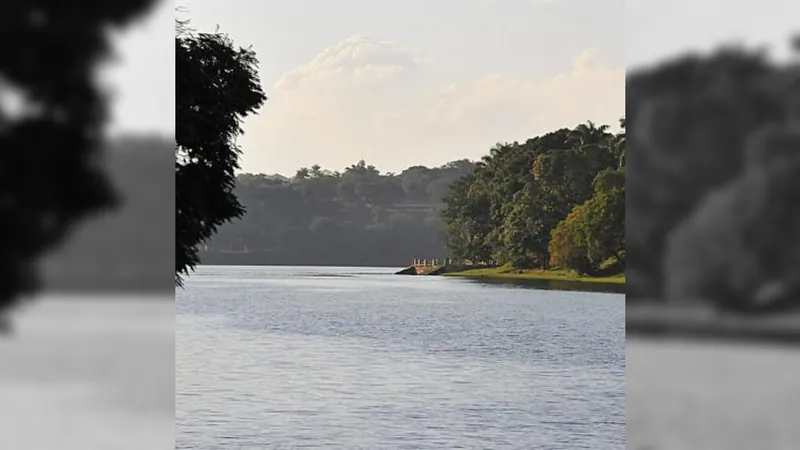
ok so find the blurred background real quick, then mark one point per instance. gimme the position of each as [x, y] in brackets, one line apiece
[88, 362]
[711, 225]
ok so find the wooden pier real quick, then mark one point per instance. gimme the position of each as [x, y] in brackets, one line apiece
[438, 266]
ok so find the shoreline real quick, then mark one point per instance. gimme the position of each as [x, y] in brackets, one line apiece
[701, 322]
[541, 275]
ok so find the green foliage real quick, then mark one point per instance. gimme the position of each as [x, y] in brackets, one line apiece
[520, 193]
[600, 221]
[566, 250]
[594, 231]
[216, 86]
[521, 241]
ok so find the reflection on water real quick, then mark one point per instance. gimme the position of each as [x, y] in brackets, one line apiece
[555, 285]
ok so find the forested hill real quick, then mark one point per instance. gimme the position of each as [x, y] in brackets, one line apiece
[356, 217]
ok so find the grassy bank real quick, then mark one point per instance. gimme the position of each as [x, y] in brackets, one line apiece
[550, 275]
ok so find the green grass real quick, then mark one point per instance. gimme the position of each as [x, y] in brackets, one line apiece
[552, 275]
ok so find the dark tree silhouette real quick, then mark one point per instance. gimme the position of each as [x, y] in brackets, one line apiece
[51, 137]
[217, 86]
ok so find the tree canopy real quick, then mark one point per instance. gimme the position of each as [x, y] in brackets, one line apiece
[554, 200]
[217, 86]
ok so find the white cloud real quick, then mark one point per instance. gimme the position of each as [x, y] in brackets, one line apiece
[355, 61]
[369, 99]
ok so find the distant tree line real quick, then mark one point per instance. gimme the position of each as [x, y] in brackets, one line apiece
[356, 216]
[556, 200]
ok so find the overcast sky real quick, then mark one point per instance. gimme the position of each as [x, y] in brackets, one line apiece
[425, 82]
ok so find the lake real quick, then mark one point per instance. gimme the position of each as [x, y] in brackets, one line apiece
[294, 357]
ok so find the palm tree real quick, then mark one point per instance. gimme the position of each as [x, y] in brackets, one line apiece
[619, 144]
[594, 142]
[316, 171]
[302, 173]
[588, 133]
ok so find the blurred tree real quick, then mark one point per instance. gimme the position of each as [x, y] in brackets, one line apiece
[50, 139]
[740, 248]
[690, 120]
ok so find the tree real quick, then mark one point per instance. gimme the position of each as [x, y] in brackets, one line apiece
[594, 231]
[316, 171]
[566, 249]
[618, 145]
[691, 117]
[739, 249]
[524, 234]
[520, 192]
[602, 228]
[467, 221]
[217, 86]
[47, 179]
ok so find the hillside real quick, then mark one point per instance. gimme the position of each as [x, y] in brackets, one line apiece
[357, 217]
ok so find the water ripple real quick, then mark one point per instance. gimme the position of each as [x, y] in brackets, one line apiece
[344, 362]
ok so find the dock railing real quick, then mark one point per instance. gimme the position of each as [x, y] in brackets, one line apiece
[436, 262]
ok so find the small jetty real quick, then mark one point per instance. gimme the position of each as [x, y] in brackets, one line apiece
[441, 266]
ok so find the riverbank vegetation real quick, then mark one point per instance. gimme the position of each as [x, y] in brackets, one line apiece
[509, 272]
[556, 201]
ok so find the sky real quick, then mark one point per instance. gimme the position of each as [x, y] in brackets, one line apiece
[418, 82]
[425, 82]
[663, 28]
[140, 76]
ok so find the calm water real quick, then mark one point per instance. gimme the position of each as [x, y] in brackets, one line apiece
[361, 359]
